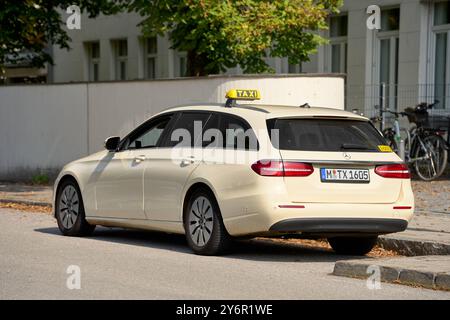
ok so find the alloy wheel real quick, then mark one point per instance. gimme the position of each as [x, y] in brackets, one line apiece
[201, 221]
[69, 206]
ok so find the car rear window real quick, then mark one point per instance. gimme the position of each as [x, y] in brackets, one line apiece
[324, 135]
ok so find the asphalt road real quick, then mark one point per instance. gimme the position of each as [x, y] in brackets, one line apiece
[116, 263]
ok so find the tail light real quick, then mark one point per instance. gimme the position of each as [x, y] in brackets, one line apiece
[278, 168]
[399, 171]
[297, 169]
[268, 168]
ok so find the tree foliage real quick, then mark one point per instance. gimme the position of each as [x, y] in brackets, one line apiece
[222, 34]
[29, 26]
[216, 34]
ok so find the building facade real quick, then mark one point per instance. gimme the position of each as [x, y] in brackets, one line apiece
[405, 62]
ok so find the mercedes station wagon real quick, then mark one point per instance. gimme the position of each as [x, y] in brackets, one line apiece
[220, 172]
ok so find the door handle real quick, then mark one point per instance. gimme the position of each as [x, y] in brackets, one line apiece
[186, 162]
[139, 158]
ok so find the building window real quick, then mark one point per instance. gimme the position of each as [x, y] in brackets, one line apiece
[294, 68]
[93, 52]
[151, 51]
[182, 66]
[338, 26]
[388, 44]
[441, 37]
[121, 59]
[337, 50]
[390, 19]
[441, 13]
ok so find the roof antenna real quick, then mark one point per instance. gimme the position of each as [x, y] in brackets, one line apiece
[305, 105]
[231, 103]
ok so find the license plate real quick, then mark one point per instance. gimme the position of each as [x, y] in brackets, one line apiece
[344, 175]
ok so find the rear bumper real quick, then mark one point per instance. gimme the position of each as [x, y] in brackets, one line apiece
[340, 225]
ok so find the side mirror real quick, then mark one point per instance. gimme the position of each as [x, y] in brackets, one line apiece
[112, 143]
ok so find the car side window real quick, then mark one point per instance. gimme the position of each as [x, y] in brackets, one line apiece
[237, 134]
[186, 129]
[212, 136]
[149, 135]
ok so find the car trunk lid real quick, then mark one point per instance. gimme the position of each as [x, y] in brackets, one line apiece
[313, 189]
[337, 149]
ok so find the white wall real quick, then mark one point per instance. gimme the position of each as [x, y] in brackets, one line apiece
[43, 127]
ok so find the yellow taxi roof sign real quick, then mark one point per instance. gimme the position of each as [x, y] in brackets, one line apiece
[239, 94]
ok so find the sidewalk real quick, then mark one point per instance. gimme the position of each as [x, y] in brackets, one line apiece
[427, 234]
[26, 194]
[432, 196]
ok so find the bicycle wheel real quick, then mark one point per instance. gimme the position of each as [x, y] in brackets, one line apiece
[432, 158]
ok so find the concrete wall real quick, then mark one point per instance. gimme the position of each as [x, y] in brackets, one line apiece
[43, 127]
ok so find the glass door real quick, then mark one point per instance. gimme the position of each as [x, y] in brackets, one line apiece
[441, 38]
[388, 69]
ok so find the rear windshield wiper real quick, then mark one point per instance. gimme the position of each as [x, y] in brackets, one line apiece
[354, 146]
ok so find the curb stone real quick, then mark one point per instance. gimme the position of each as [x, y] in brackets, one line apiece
[414, 247]
[442, 280]
[420, 278]
[394, 274]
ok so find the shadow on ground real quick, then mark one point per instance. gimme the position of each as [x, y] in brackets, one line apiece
[254, 249]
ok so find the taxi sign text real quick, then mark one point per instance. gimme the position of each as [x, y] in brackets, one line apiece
[239, 94]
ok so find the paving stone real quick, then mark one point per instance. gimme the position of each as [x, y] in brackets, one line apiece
[389, 274]
[413, 277]
[442, 281]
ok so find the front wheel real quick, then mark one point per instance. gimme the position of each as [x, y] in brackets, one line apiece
[358, 246]
[69, 209]
[204, 228]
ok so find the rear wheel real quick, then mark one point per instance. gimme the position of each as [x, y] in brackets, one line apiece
[432, 157]
[353, 245]
[69, 210]
[204, 228]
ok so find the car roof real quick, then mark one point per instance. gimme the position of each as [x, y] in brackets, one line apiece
[269, 111]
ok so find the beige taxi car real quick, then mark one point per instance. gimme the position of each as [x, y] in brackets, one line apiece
[218, 172]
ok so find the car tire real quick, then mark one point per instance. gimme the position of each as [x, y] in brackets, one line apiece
[203, 224]
[353, 245]
[69, 210]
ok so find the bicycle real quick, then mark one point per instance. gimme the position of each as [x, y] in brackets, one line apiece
[425, 149]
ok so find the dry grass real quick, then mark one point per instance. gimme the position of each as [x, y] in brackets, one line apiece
[377, 252]
[25, 207]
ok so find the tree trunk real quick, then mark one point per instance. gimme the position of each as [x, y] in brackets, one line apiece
[196, 64]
